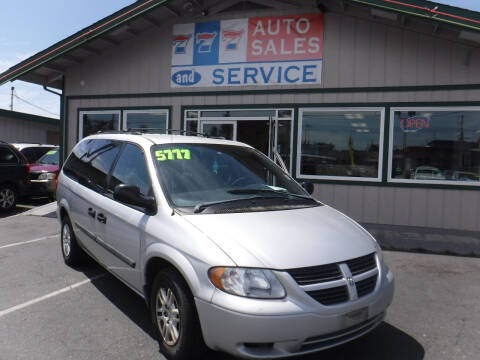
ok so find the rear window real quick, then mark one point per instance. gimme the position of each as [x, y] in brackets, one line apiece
[34, 153]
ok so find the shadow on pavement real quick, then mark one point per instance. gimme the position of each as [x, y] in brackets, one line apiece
[25, 205]
[385, 342]
[127, 301]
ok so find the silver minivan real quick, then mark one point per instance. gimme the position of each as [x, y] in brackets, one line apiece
[228, 250]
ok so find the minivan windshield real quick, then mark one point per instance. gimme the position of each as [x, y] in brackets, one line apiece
[200, 176]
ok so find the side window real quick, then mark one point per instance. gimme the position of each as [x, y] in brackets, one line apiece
[91, 161]
[7, 156]
[101, 155]
[73, 165]
[131, 169]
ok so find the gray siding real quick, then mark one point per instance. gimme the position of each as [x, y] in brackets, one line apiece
[358, 52]
[445, 209]
[18, 131]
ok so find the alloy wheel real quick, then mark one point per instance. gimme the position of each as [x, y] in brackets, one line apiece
[7, 198]
[168, 316]
[66, 240]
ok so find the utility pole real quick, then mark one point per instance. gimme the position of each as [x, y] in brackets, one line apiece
[11, 99]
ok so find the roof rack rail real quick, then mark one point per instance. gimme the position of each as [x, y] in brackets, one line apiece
[140, 131]
[112, 132]
[158, 130]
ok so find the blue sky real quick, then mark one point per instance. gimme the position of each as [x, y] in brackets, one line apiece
[33, 25]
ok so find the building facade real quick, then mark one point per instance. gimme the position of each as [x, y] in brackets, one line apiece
[376, 103]
[16, 127]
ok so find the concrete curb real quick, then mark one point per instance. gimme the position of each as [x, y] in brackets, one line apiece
[41, 210]
[426, 240]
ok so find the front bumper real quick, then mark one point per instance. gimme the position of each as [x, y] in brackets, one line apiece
[290, 326]
[42, 187]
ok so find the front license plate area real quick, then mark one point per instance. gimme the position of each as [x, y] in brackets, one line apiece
[355, 317]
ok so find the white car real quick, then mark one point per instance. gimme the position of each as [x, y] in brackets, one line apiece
[428, 173]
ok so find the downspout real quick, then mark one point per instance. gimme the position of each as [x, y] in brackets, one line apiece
[62, 119]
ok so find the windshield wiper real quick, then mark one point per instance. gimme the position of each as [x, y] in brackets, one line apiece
[202, 206]
[282, 193]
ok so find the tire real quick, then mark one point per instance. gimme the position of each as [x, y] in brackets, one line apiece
[71, 251]
[8, 198]
[172, 300]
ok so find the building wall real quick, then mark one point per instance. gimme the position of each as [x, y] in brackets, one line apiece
[358, 52]
[18, 131]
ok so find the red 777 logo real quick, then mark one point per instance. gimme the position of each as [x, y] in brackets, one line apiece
[231, 38]
[205, 41]
[180, 43]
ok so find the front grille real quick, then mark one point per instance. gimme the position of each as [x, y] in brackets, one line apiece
[366, 286]
[34, 175]
[339, 291]
[362, 264]
[316, 274]
[330, 296]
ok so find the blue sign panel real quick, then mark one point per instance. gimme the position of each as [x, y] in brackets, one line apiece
[207, 42]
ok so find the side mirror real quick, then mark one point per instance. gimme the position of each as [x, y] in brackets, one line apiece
[308, 186]
[130, 195]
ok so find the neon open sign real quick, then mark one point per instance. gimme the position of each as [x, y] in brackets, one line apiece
[414, 123]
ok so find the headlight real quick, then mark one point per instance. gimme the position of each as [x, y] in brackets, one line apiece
[252, 283]
[47, 176]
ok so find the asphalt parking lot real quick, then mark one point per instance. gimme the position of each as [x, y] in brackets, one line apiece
[50, 311]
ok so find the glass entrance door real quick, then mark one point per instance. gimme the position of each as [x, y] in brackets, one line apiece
[221, 129]
[255, 133]
[264, 129]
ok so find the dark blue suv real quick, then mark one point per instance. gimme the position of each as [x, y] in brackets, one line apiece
[13, 176]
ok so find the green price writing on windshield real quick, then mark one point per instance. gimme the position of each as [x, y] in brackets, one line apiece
[172, 154]
[52, 152]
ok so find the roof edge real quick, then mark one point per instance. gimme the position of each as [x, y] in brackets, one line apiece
[96, 29]
[464, 18]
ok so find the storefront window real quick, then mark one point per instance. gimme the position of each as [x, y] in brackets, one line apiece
[435, 145]
[92, 122]
[146, 119]
[340, 144]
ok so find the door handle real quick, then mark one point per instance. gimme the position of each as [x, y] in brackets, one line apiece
[91, 212]
[102, 218]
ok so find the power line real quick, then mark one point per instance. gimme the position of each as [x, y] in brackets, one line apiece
[35, 106]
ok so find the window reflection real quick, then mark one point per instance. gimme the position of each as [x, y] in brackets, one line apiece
[340, 143]
[436, 145]
[95, 122]
[146, 120]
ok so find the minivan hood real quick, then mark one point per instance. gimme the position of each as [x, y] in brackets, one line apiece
[286, 239]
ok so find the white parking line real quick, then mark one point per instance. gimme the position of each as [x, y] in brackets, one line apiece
[48, 296]
[28, 241]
